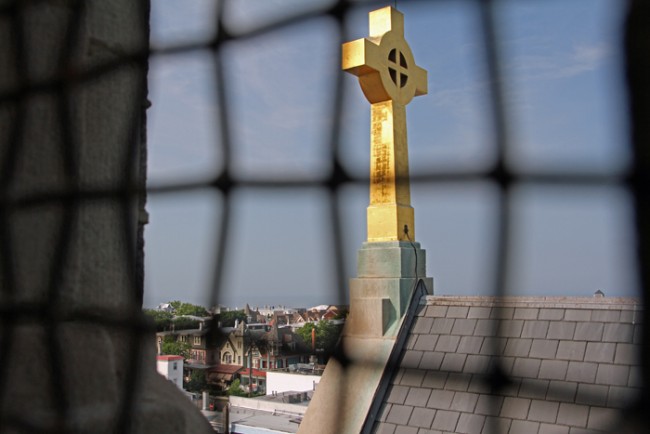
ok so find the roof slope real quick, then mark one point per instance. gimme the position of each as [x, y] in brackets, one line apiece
[566, 365]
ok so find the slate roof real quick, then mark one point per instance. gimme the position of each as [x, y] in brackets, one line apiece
[569, 366]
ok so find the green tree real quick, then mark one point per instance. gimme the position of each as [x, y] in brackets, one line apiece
[228, 318]
[327, 335]
[181, 308]
[161, 319]
[173, 347]
[197, 382]
[185, 323]
[235, 389]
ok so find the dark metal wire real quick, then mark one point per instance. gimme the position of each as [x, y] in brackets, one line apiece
[132, 190]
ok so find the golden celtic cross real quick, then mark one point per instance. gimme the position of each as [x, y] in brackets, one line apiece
[389, 79]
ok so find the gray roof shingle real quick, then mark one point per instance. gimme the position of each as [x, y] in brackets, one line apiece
[571, 364]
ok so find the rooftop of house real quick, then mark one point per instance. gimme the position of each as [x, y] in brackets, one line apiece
[168, 358]
[517, 364]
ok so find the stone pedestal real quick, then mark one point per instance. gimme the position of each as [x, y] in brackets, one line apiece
[388, 273]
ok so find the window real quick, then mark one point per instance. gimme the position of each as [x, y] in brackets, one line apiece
[197, 340]
[227, 358]
[175, 365]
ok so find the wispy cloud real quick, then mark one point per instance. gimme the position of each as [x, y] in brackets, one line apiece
[578, 60]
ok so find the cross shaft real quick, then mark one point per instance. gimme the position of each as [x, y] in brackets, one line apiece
[389, 79]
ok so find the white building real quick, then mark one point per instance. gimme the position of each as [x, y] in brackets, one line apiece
[171, 367]
[279, 382]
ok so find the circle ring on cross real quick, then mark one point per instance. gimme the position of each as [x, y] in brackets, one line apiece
[396, 75]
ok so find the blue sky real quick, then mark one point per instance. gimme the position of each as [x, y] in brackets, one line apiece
[565, 108]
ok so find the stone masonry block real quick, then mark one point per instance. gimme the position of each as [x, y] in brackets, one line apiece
[470, 344]
[458, 382]
[620, 397]
[526, 313]
[518, 347]
[396, 290]
[445, 420]
[434, 380]
[370, 316]
[489, 405]
[637, 339]
[442, 325]
[457, 311]
[635, 376]
[569, 350]
[592, 394]
[463, 327]
[627, 354]
[511, 328]
[543, 411]
[464, 402]
[563, 391]
[551, 314]
[577, 315]
[412, 377]
[523, 427]
[470, 424]
[546, 428]
[411, 359]
[418, 396]
[422, 417]
[431, 360]
[399, 414]
[589, 331]
[544, 348]
[582, 372]
[573, 415]
[600, 352]
[493, 346]
[526, 368]
[629, 316]
[553, 369]
[440, 399]
[561, 330]
[477, 364]
[397, 394]
[390, 259]
[422, 325]
[485, 327]
[406, 430]
[612, 375]
[479, 312]
[535, 329]
[602, 418]
[453, 362]
[618, 333]
[447, 343]
[606, 315]
[534, 389]
[499, 312]
[515, 408]
[426, 342]
[436, 311]
[496, 425]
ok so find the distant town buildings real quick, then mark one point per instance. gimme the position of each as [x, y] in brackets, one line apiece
[259, 340]
[171, 367]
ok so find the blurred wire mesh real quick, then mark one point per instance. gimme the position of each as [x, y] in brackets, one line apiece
[226, 180]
